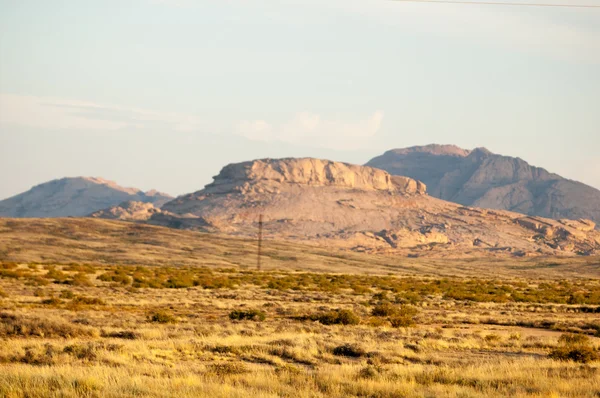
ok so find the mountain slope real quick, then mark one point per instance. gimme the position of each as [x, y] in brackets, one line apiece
[363, 209]
[483, 179]
[77, 196]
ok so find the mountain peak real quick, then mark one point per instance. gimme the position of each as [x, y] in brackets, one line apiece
[434, 149]
[484, 179]
[73, 196]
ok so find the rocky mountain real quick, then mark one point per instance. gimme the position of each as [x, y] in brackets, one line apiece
[483, 179]
[78, 196]
[364, 209]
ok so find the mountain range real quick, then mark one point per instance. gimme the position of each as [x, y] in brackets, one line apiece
[436, 200]
[481, 178]
[358, 208]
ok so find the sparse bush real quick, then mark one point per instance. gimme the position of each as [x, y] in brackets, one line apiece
[369, 372]
[88, 300]
[39, 356]
[53, 301]
[349, 350]
[574, 347]
[162, 316]
[492, 338]
[404, 317]
[250, 315]
[337, 317]
[384, 309]
[17, 326]
[67, 294]
[80, 279]
[124, 334]
[85, 352]
[228, 369]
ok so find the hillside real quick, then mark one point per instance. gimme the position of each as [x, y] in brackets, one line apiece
[482, 179]
[74, 197]
[108, 242]
[364, 209]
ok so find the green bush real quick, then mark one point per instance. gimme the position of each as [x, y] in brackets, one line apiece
[384, 309]
[575, 347]
[349, 350]
[404, 317]
[336, 317]
[250, 315]
[12, 325]
[162, 316]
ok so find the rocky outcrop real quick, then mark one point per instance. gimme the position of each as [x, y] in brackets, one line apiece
[364, 209]
[128, 211]
[312, 172]
[74, 197]
[480, 178]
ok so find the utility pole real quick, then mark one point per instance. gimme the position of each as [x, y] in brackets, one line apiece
[260, 230]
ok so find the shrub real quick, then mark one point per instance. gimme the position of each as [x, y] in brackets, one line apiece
[80, 279]
[88, 300]
[228, 368]
[17, 326]
[67, 294]
[162, 316]
[574, 347]
[86, 352]
[52, 301]
[337, 317]
[39, 356]
[250, 315]
[384, 309]
[124, 334]
[349, 350]
[3, 293]
[405, 317]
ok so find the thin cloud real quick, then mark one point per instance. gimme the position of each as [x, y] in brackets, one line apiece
[60, 113]
[544, 32]
[311, 128]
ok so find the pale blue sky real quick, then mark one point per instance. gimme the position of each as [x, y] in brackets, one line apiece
[162, 94]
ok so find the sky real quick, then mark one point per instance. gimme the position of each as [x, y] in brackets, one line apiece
[163, 93]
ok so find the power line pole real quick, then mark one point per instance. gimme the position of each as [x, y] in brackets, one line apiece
[260, 231]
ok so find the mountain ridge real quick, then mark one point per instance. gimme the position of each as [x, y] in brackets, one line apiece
[483, 179]
[361, 208]
[74, 196]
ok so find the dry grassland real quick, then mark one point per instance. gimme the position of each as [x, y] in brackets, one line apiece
[184, 315]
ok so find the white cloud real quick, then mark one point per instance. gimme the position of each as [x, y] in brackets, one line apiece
[60, 113]
[310, 128]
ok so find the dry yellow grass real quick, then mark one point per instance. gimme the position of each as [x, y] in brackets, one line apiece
[93, 241]
[109, 309]
[113, 348]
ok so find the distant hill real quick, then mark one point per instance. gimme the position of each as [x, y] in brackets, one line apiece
[77, 196]
[480, 178]
[362, 209]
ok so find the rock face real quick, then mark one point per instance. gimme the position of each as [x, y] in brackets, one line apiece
[364, 209]
[128, 211]
[483, 179]
[74, 197]
[311, 172]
